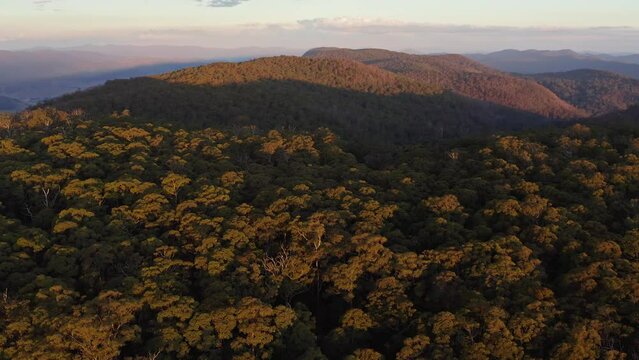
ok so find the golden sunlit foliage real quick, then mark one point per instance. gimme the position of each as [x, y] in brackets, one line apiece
[121, 239]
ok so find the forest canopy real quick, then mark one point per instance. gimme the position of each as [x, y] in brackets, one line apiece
[121, 238]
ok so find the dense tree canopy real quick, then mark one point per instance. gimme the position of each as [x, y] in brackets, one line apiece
[125, 239]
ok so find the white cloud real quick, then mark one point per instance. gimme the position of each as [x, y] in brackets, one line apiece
[355, 33]
[42, 4]
[211, 3]
[386, 26]
[467, 38]
[222, 3]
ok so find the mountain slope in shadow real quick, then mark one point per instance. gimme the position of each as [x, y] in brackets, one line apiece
[464, 76]
[598, 92]
[628, 118]
[360, 102]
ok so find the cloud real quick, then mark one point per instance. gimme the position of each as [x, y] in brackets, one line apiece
[41, 3]
[210, 3]
[346, 32]
[386, 26]
[350, 32]
[222, 3]
[46, 5]
[363, 32]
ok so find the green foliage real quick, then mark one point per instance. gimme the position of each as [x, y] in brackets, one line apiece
[206, 244]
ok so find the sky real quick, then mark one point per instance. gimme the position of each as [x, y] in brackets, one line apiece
[423, 25]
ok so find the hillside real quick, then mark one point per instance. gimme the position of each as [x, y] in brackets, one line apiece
[329, 73]
[542, 61]
[598, 92]
[463, 76]
[356, 100]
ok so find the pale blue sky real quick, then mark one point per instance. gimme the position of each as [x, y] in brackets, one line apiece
[458, 24]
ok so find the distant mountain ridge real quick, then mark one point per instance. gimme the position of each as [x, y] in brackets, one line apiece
[11, 104]
[187, 53]
[35, 75]
[356, 100]
[26, 65]
[31, 76]
[598, 92]
[34, 91]
[632, 59]
[546, 61]
[463, 76]
[38, 74]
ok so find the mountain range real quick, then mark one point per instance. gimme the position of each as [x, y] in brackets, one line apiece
[371, 94]
[185, 53]
[30, 76]
[464, 76]
[354, 99]
[31, 92]
[11, 104]
[21, 66]
[540, 61]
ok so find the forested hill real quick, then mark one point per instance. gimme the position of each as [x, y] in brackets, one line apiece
[123, 239]
[598, 92]
[340, 74]
[463, 76]
[358, 101]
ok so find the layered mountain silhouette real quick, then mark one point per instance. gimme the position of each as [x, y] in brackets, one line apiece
[354, 99]
[26, 65]
[39, 74]
[631, 59]
[169, 53]
[541, 61]
[11, 104]
[463, 76]
[598, 92]
[34, 91]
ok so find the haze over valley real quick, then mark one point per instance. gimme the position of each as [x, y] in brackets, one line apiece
[33, 75]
